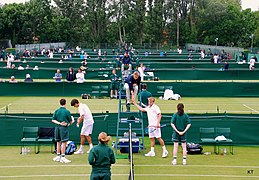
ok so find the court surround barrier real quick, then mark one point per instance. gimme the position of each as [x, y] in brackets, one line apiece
[244, 128]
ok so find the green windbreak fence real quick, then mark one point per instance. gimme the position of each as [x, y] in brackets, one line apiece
[244, 128]
[185, 89]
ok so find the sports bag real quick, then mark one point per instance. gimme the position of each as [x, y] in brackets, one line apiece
[193, 148]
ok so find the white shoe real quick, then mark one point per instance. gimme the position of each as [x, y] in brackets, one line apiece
[79, 152]
[64, 160]
[150, 154]
[89, 150]
[174, 162]
[57, 158]
[165, 153]
[184, 162]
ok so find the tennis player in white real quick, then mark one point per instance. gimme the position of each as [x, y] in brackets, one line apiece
[87, 118]
[154, 118]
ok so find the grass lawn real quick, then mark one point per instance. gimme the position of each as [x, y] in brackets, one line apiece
[192, 105]
[40, 166]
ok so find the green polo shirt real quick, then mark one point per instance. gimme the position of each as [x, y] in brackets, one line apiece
[143, 96]
[62, 114]
[180, 122]
[101, 157]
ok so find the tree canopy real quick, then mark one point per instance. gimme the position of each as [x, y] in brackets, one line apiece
[132, 21]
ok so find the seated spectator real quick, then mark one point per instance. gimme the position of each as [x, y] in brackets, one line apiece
[126, 61]
[78, 48]
[179, 50]
[51, 55]
[71, 75]
[80, 76]
[27, 66]
[221, 68]
[28, 78]
[226, 66]
[20, 67]
[13, 66]
[12, 80]
[84, 63]
[36, 68]
[190, 57]
[58, 76]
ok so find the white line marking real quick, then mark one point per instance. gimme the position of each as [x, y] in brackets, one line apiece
[5, 106]
[250, 108]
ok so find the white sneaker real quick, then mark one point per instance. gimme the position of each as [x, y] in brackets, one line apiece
[64, 160]
[79, 152]
[165, 153]
[150, 154]
[89, 150]
[174, 162]
[184, 162]
[57, 158]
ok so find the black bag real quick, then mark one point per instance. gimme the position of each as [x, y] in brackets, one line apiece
[86, 96]
[194, 148]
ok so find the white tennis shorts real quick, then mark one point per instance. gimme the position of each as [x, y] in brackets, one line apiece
[154, 132]
[87, 130]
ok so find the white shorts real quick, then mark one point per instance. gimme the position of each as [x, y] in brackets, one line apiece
[87, 130]
[154, 132]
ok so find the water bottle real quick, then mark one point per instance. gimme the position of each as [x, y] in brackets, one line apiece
[28, 150]
[113, 144]
[23, 151]
[225, 151]
[207, 153]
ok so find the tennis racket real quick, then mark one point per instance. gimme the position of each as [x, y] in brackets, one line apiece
[154, 128]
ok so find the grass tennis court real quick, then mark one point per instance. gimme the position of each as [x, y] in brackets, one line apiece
[46, 105]
[243, 164]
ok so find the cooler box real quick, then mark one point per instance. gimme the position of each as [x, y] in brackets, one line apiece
[124, 145]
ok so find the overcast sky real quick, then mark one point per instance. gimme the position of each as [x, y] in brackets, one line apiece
[253, 4]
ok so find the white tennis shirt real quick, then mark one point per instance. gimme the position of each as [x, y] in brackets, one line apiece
[88, 117]
[152, 114]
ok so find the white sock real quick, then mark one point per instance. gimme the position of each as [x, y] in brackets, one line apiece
[91, 146]
[152, 149]
[164, 148]
[81, 148]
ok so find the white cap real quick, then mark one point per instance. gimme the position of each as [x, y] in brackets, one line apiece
[28, 75]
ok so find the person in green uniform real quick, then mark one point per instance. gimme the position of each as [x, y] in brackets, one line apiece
[180, 122]
[100, 158]
[114, 84]
[144, 95]
[62, 118]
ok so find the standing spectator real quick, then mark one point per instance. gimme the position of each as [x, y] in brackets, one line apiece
[226, 66]
[144, 95]
[141, 70]
[51, 55]
[71, 75]
[58, 76]
[101, 157]
[80, 76]
[180, 123]
[87, 118]
[62, 118]
[132, 86]
[28, 78]
[154, 119]
[252, 64]
[114, 84]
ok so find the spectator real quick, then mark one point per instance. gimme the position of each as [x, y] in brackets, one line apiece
[51, 55]
[27, 66]
[114, 84]
[12, 80]
[80, 76]
[71, 75]
[141, 70]
[221, 68]
[126, 61]
[190, 57]
[13, 66]
[20, 67]
[36, 68]
[58, 76]
[226, 66]
[28, 78]
[252, 64]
